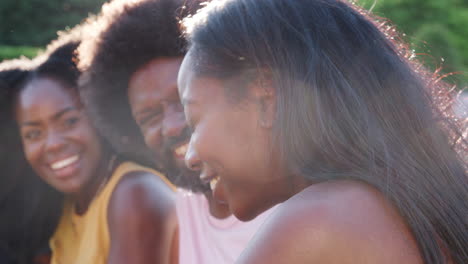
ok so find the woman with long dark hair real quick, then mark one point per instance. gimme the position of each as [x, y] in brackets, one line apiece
[115, 210]
[29, 208]
[316, 104]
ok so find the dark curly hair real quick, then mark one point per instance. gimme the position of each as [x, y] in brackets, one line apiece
[29, 208]
[123, 37]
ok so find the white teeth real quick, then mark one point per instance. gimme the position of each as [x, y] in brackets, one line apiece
[63, 163]
[213, 183]
[180, 151]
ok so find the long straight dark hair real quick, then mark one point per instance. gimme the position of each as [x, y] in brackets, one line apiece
[29, 208]
[350, 105]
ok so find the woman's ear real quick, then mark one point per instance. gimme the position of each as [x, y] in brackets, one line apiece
[264, 94]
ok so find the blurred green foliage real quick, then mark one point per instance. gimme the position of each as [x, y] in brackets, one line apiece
[11, 52]
[435, 27]
[35, 22]
[438, 29]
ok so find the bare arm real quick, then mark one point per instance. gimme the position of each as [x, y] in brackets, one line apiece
[142, 220]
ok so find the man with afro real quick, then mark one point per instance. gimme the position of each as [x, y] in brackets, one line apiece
[130, 59]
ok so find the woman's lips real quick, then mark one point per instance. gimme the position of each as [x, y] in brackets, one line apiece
[64, 162]
[217, 190]
[214, 182]
[206, 178]
[66, 167]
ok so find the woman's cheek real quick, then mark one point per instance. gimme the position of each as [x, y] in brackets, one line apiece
[204, 141]
[196, 143]
[31, 152]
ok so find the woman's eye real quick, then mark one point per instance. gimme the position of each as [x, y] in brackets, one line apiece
[71, 121]
[32, 134]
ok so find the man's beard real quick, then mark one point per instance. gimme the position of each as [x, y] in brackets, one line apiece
[179, 174]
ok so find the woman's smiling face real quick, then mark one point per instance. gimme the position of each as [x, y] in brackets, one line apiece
[230, 143]
[58, 139]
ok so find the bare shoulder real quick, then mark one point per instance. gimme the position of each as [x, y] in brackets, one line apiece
[334, 222]
[140, 195]
[142, 220]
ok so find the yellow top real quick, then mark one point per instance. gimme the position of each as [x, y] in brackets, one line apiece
[84, 239]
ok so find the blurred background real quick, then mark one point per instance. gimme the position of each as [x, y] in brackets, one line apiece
[438, 29]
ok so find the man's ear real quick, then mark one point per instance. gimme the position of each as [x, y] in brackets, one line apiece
[264, 94]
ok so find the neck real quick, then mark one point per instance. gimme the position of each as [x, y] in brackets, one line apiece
[217, 209]
[298, 183]
[283, 188]
[95, 184]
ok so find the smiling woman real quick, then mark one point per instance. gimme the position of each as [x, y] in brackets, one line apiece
[316, 103]
[50, 115]
[29, 208]
[106, 195]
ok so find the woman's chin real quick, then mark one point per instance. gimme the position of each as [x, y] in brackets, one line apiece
[68, 188]
[243, 214]
[219, 210]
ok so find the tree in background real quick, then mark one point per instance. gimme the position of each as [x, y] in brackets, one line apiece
[435, 27]
[35, 22]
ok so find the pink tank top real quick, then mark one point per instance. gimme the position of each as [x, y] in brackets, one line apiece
[204, 239]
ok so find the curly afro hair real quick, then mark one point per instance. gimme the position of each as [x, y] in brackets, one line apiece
[122, 38]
